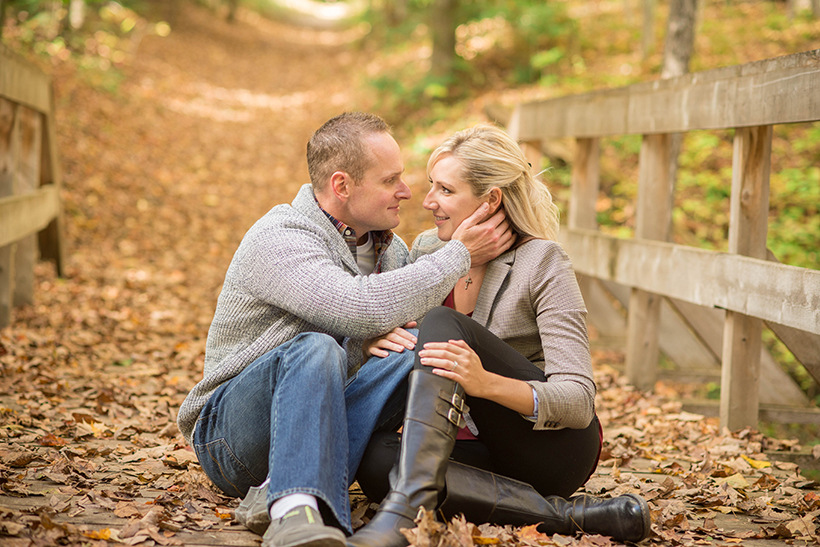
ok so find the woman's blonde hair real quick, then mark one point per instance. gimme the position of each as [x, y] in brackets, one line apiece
[492, 159]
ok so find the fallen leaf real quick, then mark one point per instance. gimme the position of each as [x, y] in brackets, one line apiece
[757, 464]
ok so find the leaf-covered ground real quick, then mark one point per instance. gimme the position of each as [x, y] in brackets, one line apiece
[162, 177]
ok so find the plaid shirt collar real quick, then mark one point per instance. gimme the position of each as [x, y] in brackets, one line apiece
[381, 240]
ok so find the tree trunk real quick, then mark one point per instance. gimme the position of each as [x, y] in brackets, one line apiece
[648, 35]
[680, 38]
[677, 52]
[2, 16]
[395, 12]
[232, 5]
[443, 23]
[76, 13]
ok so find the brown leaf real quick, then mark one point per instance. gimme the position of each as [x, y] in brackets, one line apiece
[127, 510]
[17, 458]
[51, 440]
[531, 533]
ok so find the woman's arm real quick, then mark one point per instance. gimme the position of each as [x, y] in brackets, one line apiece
[457, 360]
[567, 396]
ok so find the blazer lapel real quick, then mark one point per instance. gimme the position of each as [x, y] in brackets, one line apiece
[497, 272]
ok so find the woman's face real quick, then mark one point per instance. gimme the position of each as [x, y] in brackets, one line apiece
[450, 199]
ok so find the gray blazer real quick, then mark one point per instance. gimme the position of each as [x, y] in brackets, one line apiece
[530, 299]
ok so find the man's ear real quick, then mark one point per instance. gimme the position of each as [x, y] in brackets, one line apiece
[340, 184]
[494, 199]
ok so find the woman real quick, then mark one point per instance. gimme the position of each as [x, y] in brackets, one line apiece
[511, 344]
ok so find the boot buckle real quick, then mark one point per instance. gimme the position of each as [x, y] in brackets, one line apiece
[456, 418]
[455, 400]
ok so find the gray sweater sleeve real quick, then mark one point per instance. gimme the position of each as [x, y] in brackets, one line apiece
[291, 269]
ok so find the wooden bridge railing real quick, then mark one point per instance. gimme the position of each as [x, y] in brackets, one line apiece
[751, 99]
[29, 180]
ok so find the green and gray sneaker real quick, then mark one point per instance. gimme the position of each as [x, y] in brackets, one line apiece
[253, 513]
[302, 527]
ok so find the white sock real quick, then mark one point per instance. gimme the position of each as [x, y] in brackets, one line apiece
[291, 501]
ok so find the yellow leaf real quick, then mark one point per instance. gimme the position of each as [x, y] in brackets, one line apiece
[736, 481]
[478, 540]
[757, 464]
[104, 534]
[531, 533]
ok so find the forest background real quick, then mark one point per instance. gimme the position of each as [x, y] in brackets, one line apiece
[441, 65]
[178, 128]
[436, 66]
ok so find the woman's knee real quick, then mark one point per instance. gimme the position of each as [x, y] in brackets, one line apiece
[442, 323]
[440, 315]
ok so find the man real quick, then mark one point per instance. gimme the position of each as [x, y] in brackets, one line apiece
[285, 397]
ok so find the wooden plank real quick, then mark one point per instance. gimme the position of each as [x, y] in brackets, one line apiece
[26, 180]
[748, 224]
[654, 220]
[9, 145]
[585, 184]
[766, 413]
[779, 90]
[24, 215]
[784, 294]
[609, 323]
[584, 187]
[52, 243]
[691, 336]
[680, 344]
[23, 83]
[7, 255]
[804, 346]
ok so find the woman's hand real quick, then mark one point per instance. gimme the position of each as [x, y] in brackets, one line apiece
[457, 361]
[396, 340]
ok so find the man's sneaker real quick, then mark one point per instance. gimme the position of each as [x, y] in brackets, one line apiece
[302, 527]
[253, 513]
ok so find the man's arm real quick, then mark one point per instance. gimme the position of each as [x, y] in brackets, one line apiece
[294, 268]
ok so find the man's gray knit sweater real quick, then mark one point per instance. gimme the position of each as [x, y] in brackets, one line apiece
[294, 273]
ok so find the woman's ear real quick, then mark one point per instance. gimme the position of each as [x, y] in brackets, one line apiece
[494, 199]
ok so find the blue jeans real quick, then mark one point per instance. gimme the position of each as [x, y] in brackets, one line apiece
[294, 416]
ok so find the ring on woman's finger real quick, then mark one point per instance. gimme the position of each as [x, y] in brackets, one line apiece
[454, 365]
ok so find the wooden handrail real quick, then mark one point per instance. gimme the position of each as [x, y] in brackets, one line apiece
[30, 208]
[24, 84]
[774, 91]
[774, 292]
[749, 99]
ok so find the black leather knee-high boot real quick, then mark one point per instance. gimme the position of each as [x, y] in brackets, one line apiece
[432, 418]
[483, 496]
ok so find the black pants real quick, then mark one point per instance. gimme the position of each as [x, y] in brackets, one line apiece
[554, 462]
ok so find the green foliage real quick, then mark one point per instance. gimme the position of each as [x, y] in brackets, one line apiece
[496, 41]
[99, 48]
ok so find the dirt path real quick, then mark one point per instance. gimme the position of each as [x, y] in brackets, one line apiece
[162, 179]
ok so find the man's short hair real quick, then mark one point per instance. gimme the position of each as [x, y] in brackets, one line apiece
[339, 146]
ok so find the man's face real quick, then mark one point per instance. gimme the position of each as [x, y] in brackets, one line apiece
[373, 203]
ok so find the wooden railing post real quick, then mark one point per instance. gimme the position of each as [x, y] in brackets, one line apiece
[586, 182]
[585, 185]
[532, 151]
[26, 181]
[653, 221]
[9, 124]
[52, 245]
[748, 224]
